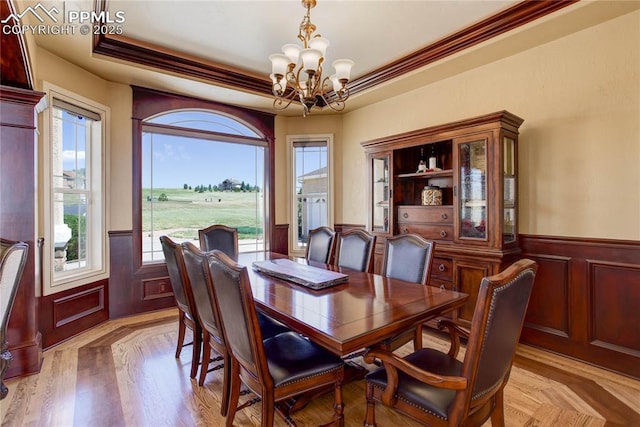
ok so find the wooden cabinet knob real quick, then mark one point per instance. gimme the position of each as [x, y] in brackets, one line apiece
[441, 267]
[443, 233]
[406, 215]
[443, 215]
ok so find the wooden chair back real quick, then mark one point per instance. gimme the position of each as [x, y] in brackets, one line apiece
[278, 368]
[187, 310]
[437, 389]
[178, 276]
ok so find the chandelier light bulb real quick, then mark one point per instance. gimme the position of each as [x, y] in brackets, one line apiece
[310, 60]
[319, 43]
[337, 86]
[343, 68]
[292, 51]
[279, 85]
[279, 63]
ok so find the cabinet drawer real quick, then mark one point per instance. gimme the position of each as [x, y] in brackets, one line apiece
[442, 268]
[439, 283]
[432, 214]
[428, 231]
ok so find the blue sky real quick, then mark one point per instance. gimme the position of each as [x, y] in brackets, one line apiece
[180, 160]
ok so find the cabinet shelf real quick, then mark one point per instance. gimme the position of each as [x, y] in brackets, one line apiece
[435, 174]
[475, 227]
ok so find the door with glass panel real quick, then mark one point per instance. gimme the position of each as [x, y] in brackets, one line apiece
[472, 178]
[311, 189]
[381, 220]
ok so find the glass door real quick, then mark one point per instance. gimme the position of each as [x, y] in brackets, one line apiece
[381, 193]
[510, 188]
[472, 179]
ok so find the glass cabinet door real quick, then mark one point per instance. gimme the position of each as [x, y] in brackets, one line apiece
[380, 191]
[472, 170]
[510, 188]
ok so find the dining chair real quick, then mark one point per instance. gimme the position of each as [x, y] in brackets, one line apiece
[13, 258]
[354, 250]
[276, 368]
[407, 257]
[220, 237]
[199, 277]
[187, 312]
[435, 388]
[195, 265]
[320, 245]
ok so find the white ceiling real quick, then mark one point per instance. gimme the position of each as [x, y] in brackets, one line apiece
[242, 34]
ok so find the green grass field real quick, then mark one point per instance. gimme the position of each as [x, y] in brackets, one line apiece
[186, 211]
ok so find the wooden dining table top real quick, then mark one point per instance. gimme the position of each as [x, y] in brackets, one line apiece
[347, 317]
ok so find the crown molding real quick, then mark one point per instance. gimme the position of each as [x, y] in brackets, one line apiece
[146, 54]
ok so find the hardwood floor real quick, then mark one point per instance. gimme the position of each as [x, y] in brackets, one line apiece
[123, 373]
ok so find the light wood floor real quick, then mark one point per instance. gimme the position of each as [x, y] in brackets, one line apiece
[123, 373]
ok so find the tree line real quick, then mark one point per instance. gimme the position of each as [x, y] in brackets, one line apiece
[244, 187]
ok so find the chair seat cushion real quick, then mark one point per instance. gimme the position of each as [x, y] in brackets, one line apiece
[270, 327]
[293, 358]
[430, 399]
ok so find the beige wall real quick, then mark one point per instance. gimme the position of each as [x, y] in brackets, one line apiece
[311, 125]
[118, 98]
[579, 144]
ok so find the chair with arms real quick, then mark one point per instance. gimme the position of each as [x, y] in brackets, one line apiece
[354, 250]
[13, 257]
[407, 257]
[435, 388]
[276, 368]
[320, 245]
[220, 237]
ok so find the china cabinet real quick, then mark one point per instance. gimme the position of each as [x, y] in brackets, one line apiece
[472, 171]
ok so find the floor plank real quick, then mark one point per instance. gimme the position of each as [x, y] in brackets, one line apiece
[123, 373]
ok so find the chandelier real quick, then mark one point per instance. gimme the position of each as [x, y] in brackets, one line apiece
[303, 81]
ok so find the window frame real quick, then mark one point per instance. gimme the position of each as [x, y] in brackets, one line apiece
[148, 103]
[99, 268]
[291, 178]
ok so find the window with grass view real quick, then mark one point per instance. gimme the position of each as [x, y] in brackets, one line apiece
[75, 225]
[201, 168]
[311, 187]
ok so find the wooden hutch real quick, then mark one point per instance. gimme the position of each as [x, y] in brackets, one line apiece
[475, 171]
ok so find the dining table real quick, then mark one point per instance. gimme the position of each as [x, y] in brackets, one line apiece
[356, 314]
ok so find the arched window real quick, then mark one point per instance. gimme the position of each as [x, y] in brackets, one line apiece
[198, 167]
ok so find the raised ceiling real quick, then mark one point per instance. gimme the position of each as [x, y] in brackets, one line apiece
[219, 50]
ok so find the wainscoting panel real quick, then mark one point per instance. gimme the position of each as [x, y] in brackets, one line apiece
[586, 300]
[552, 284]
[68, 313]
[157, 288]
[76, 306]
[615, 301]
[135, 290]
